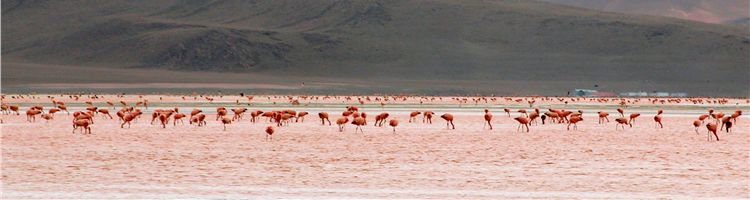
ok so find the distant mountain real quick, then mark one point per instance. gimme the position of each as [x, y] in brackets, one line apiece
[740, 21]
[382, 40]
[708, 11]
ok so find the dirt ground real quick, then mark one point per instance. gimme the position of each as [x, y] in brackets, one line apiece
[310, 160]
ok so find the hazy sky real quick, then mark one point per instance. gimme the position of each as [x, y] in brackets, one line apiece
[709, 11]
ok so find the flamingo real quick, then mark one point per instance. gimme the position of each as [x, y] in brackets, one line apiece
[254, 115]
[324, 117]
[127, 119]
[712, 129]
[176, 117]
[225, 121]
[523, 121]
[380, 119]
[726, 122]
[15, 109]
[31, 114]
[657, 119]
[269, 133]
[632, 118]
[301, 115]
[199, 119]
[622, 121]
[413, 116]
[238, 113]
[427, 116]
[195, 112]
[736, 115]
[342, 122]
[359, 122]
[164, 119]
[574, 120]
[47, 117]
[487, 118]
[523, 112]
[83, 124]
[603, 116]
[697, 123]
[393, 123]
[52, 111]
[220, 113]
[448, 120]
[104, 113]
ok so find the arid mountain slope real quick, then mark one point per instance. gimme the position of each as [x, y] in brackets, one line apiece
[441, 40]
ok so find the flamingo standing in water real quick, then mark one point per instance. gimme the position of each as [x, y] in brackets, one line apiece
[448, 120]
[697, 123]
[712, 127]
[574, 120]
[603, 116]
[487, 118]
[393, 123]
[84, 124]
[324, 117]
[622, 121]
[269, 133]
[427, 117]
[657, 120]
[632, 118]
[359, 122]
[342, 122]
[178, 116]
[226, 120]
[413, 116]
[522, 122]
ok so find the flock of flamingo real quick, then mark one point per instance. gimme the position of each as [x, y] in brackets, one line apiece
[131, 112]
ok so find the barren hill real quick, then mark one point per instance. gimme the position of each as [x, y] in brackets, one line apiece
[492, 46]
